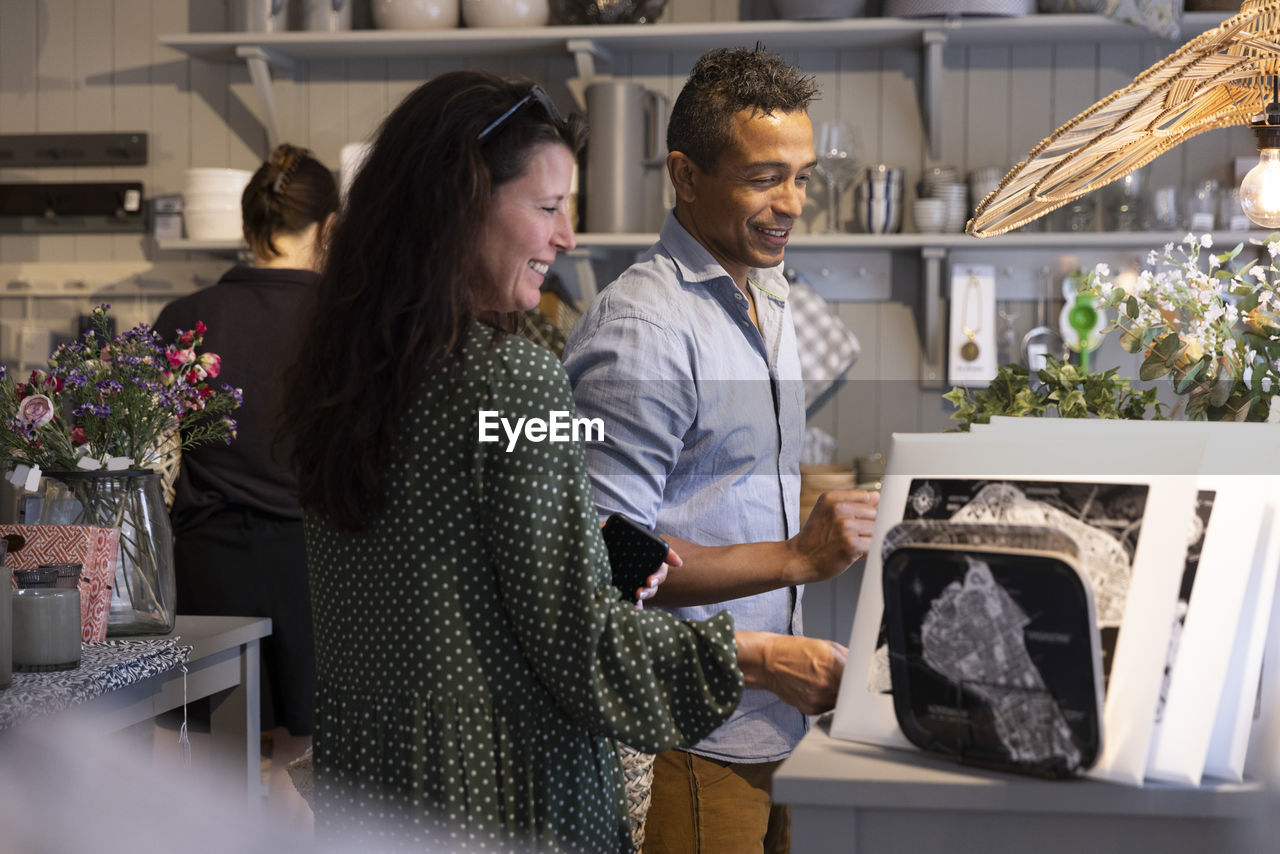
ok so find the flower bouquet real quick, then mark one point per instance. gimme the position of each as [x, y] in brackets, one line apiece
[96, 424]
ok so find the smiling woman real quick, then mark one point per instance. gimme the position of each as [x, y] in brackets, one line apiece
[528, 226]
[475, 665]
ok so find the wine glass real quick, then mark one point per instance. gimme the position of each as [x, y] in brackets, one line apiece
[836, 144]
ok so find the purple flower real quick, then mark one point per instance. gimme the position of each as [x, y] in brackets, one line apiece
[100, 411]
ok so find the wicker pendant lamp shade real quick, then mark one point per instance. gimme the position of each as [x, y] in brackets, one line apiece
[1218, 79]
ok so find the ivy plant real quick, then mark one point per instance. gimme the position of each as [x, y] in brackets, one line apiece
[1063, 390]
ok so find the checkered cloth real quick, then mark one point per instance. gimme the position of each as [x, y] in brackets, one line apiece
[828, 348]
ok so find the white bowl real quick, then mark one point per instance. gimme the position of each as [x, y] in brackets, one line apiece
[415, 14]
[199, 203]
[929, 215]
[216, 180]
[506, 13]
[213, 225]
[818, 9]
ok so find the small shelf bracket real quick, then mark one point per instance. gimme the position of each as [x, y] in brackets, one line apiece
[932, 331]
[933, 41]
[259, 61]
[585, 53]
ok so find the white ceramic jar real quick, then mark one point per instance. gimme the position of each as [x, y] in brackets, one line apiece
[506, 13]
[415, 14]
[46, 629]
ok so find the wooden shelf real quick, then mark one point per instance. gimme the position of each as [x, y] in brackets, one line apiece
[625, 38]
[908, 242]
[261, 52]
[215, 247]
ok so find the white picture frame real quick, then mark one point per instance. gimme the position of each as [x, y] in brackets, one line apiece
[1213, 680]
[1235, 747]
[1137, 670]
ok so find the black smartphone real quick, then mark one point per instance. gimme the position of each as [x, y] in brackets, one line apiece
[635, 553]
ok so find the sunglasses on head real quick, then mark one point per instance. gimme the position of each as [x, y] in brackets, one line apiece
[535, 94]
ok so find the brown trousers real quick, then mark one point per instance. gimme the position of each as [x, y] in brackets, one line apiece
[708, 806]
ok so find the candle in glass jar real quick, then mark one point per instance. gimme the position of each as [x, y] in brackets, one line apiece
[46, 629]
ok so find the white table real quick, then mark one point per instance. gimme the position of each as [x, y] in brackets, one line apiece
[223, 665]
[859, 799]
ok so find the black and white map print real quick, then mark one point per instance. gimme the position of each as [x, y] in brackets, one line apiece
[1104, 519]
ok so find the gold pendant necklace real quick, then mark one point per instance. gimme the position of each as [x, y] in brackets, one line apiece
[969, 350]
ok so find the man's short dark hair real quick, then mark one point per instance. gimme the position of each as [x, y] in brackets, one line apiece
[723, 82]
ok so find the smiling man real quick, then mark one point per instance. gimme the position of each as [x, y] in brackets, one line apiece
[689, 357]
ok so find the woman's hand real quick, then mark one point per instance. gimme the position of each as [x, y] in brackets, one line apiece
[653, 581]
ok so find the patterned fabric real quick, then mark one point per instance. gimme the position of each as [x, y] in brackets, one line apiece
[95, 549]
[104, 667]
[827, 347]
[474, 664]
[1162, 17]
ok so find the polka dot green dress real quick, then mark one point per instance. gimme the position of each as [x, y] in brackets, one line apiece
[474, 664]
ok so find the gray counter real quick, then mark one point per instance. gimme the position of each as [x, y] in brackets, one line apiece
[861, 799]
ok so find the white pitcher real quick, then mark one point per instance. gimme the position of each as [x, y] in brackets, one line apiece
[628, 140]
[326, 16]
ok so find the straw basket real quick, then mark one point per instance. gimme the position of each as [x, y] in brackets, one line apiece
[637, 773]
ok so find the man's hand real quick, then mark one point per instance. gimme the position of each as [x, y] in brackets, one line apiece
[837, 533]
[804, 672]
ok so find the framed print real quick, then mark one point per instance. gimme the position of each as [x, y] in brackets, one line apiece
[1117, 499]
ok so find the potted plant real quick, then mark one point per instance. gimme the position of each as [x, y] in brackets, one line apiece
[1207, 322]
[96, 426]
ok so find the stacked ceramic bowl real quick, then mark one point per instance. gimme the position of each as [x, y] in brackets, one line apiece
[415, 14]
[982, 182]
[211, 203]
[943, 182]
[929, 215]
[877, 201]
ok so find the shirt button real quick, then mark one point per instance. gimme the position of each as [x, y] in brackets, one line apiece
[739, 296]
[745, 322]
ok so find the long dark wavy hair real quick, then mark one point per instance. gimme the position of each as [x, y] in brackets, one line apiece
[395, 296]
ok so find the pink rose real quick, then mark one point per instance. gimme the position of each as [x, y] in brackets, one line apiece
[36, 410]
[212, 364]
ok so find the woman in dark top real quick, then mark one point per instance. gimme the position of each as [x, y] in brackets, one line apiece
[238, 527]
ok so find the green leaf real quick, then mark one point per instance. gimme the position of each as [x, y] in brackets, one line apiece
[1187, 377]
[1073, 405]
[1131, 307]
[1220, 391]
[1169, 346]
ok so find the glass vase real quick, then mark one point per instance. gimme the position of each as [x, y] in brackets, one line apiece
[144, 596]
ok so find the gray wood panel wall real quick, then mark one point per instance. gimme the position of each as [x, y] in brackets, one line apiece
[97, 65]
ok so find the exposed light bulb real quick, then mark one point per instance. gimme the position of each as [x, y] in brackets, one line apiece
[1260, 190]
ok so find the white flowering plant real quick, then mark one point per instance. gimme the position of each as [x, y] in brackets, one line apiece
[1211, 325]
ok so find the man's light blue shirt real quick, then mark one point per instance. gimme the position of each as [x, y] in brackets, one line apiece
[703, 419]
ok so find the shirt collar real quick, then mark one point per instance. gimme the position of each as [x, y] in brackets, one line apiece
[697, 265]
